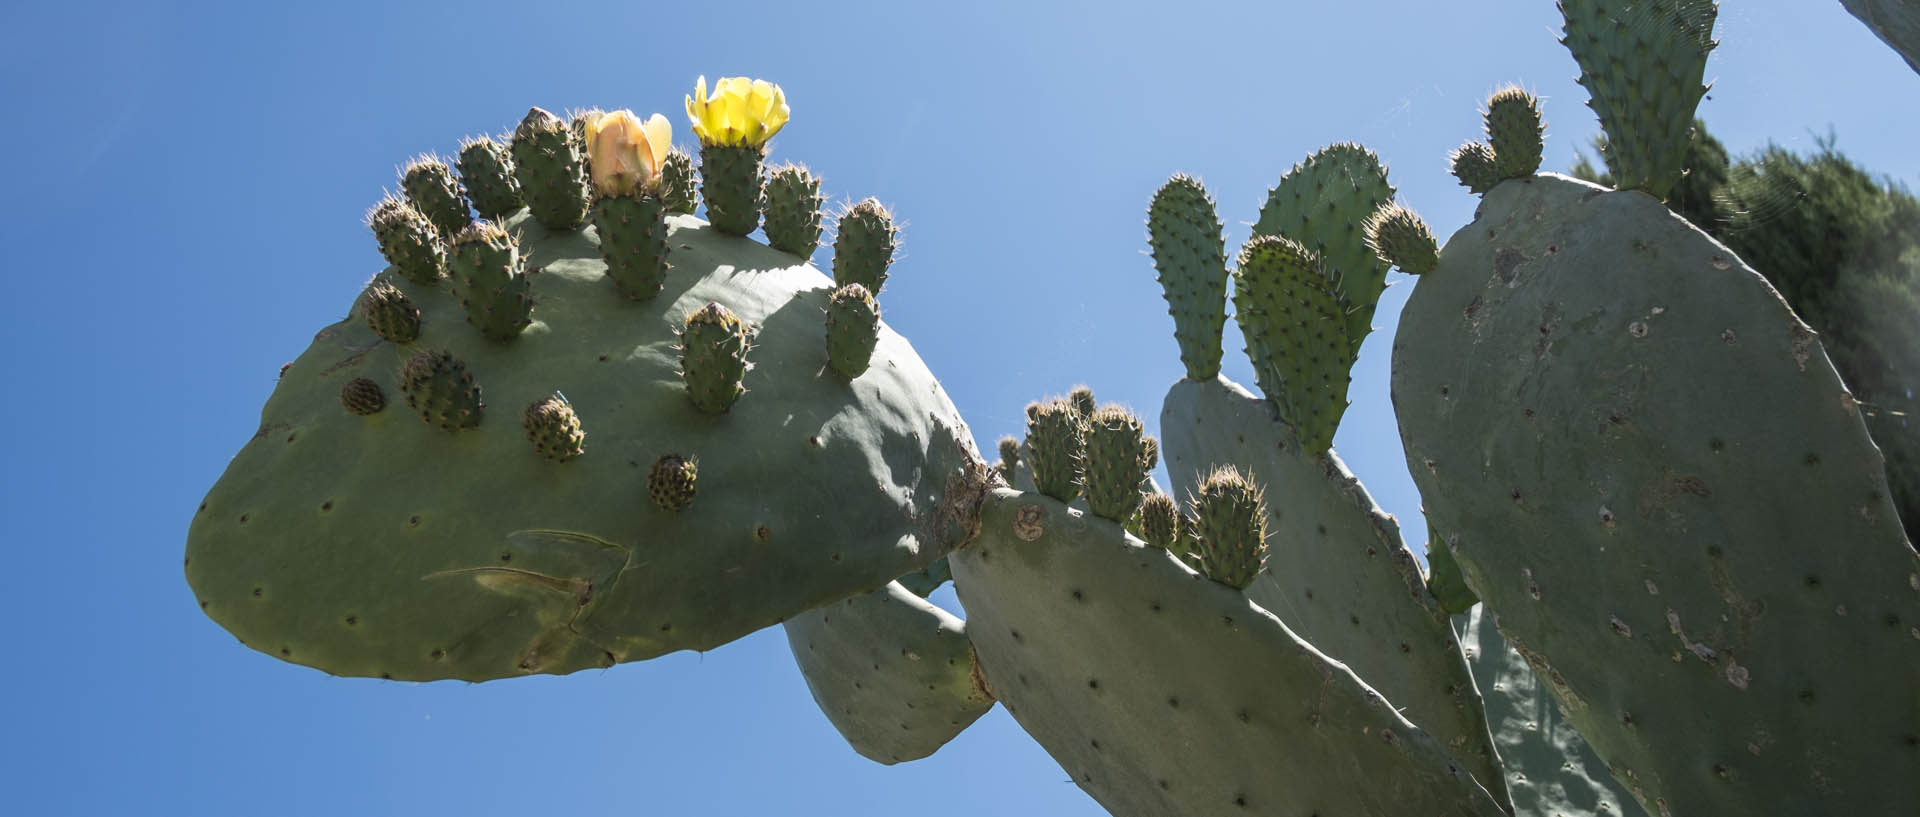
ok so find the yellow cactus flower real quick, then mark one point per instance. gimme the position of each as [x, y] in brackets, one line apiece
[626, 153]
[741, 111]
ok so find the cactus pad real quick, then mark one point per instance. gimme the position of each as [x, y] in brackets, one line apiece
[1189, 251]
[440, 388]
[1515, 132]
[432, 191]
[1321, 204]
[730, 182]
[633, 242]
[893, 673]
[713, 357]
[1649, 470]
[1296, 329]
[672, 482]
[678, 183]
[1160, 523]
[464, 556]
[863, 245]
[409, 241]
[390, 313]
[1473, 164]
[1230, 524]
[1402, 238]
[490, 277]
[363, 396]
[793, 210]
[550, 163]
[1116, 463]
[853, 327]
[1160, 693]
[486, 171]
[1056, 448]
[554, 428]
[1643, 63]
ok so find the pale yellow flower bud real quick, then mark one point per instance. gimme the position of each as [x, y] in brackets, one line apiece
[626, 153]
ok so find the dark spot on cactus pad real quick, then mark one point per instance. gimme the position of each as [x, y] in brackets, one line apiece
[1244, 716]
[286, 650]
[1715, 551]
[437, 654]
[413, 521]
[1309, 594]
[203, 506]
[1811, 458]
[1077, 596]
[1405, 648]
[258, 592]
[351, 620]
[1163, 783]
[1173, 702]
[203, 604]
[1095, 744]
[1716, 445]
[1015, 634]
[326, 506]
[1240, 800]
[1353, 619]
[1892, 620]
[1154, 606]
[243, 519]
[1812, 580]
[291, 436]
[1443, 391]
[1093, 683]
[506, 557]
[1806, 695]
[763, 535]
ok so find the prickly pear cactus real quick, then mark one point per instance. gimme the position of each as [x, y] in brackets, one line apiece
[1647, 467]
[1163, 693]
[894, 673]
[376, 544]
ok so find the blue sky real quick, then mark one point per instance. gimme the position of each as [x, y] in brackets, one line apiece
[186, 186]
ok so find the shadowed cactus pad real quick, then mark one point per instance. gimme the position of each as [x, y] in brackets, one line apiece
[1184, 232]
[1402, 239]
[633, 242]
[363, 396]
[409, 241]
[731, 178]
[554, 428]
[1295, 324]
[390, 313]
[486, 171]
[863, 245]
[713, 357]
[440, 388]
[466, 556]
[1056, 448]
[1116, 463]
[1321, 204]
[678, 183]
[550, 162]
[1160, 523]
[793, 210]
[672, 482]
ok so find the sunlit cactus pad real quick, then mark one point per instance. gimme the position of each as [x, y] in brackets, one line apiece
[380, 545]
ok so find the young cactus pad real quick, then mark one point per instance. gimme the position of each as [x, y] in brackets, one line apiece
[1161, 693]
[381, 546]
[1647, 467]
[1643, 63]
[894, 673]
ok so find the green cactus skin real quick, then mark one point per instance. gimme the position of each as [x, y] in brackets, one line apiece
[1292, 318]
[390, 313]
[678, 183]
[1056, 448]
[893, 673]
[1338, 572]
[554, 428]
[633, 242]
[730, 182]
[1473, 164]
[1444, 579]
[410, 242]
[1895, 22]
[1190, 255]
[853, 327]
[431, 188]
[1009, 459]
[924, 581]
[1160, 694]
[1116, 463]
[1549, 768]
[1402, 238]
[863, 245]
[713, 357]
[1642, 63]
[1649, 470]
[672, 482]
[1160, 524]
[486, 170]
[793, 210]
[490, 278]
[550, 163]
[1321, 204]
[1515, 132]
[392, 565]
[440, 388]
[1230, 516]
[363, 396]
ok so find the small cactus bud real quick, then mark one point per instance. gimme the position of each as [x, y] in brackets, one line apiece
[432, 190]
[863, 246]
[671, 482]
[1230, 515]
[624, 153]
[554, 428]
[1152, 454]
[1473, 165]
[853, 329]
[793, 210]
[1515, 131]
[440, 388]
[1399, 236]
[362, 396]
[713, 358]
[1160, 524]
[1115, 464]
[1009, 458]
[409, 241]
[1056, 448]
[390, 313]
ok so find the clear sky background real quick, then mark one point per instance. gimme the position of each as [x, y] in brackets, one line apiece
[185, 183]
